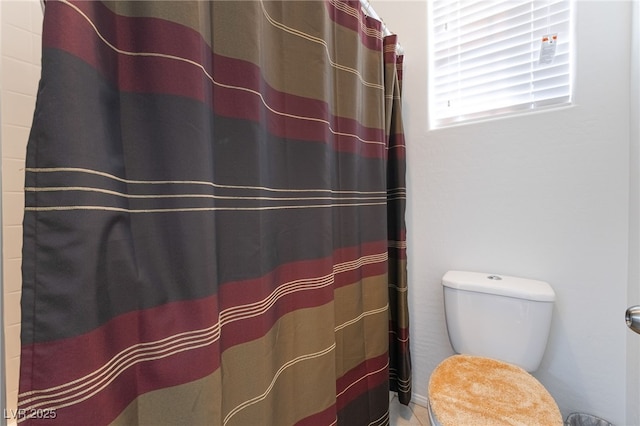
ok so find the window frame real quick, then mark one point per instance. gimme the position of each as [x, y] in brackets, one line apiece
[436, 122]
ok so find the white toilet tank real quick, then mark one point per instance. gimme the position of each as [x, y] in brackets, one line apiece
[500, 317]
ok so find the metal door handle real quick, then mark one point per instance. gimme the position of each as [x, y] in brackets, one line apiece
[633, 318]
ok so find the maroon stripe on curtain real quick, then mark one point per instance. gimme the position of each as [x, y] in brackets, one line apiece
[118, 385]
[349, 14]
[240, 92]
[69, 359]
[356, 382]
[127, 33]
[325, 417]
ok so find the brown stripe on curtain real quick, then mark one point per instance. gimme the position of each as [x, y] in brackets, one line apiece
[206, 233]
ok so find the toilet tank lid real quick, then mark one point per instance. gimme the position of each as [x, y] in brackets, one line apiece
[479, 282]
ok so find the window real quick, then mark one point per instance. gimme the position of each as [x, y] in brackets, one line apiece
[491, 58]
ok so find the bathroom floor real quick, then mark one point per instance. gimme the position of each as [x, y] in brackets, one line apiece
[401, 415]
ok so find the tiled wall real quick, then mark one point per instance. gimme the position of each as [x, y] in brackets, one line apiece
[20, 46]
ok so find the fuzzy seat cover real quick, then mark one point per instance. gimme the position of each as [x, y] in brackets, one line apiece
[469, 390]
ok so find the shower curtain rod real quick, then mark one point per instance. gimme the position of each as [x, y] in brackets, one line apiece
[370, 11]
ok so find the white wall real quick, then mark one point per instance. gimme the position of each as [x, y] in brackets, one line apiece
[543, 196]
[20, 45]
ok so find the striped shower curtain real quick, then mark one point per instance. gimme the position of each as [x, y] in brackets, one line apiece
[214, 221]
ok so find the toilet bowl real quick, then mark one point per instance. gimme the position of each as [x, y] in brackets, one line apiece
[498, 326]
[473, 390]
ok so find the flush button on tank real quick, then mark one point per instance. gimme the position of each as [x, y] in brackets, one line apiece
[495, 277]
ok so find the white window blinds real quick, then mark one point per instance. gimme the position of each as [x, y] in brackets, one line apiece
[495, 57]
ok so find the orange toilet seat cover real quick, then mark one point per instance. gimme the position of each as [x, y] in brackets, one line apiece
[472, 390]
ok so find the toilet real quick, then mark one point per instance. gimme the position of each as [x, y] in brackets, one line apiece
[498, 326]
